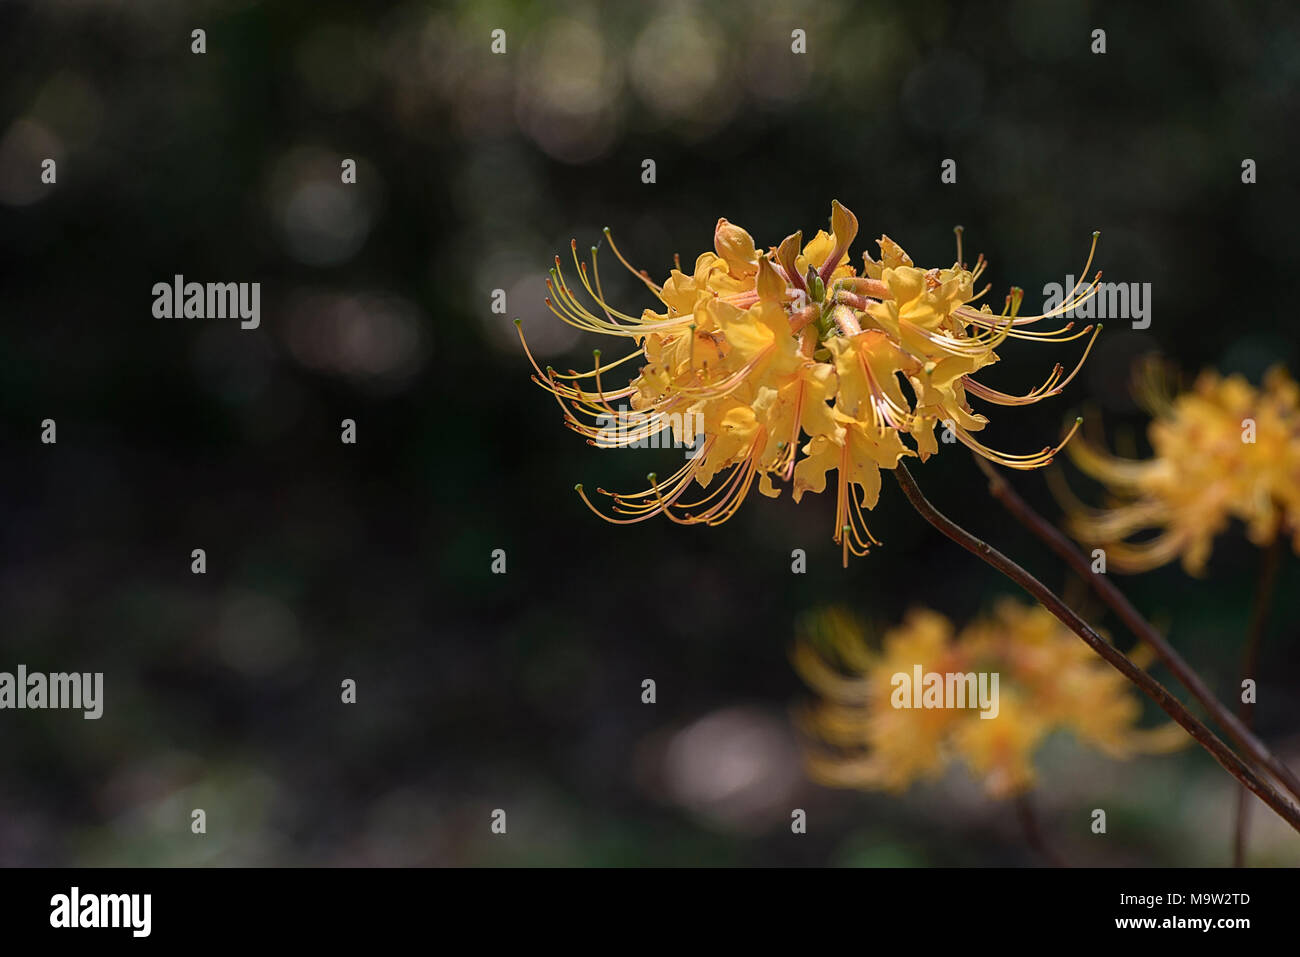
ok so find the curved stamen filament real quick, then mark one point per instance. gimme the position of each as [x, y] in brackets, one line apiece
[729, 495]
[1053, 386]
[1033, 460]
[639, 273]
[1072, 299]
[851, 532]
[605, 368]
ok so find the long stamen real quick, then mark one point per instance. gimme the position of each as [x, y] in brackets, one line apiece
[1033, 460]
[640, 274]
[1053, 386]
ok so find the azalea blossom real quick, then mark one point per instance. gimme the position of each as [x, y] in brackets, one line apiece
[861, 738]
[1222, 450]
[797, 366]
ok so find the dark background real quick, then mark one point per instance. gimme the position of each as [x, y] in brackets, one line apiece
[326, 561]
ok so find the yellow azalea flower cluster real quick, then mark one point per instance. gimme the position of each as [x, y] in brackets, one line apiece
[1048, 681]
[794, 351]
[1222, 450]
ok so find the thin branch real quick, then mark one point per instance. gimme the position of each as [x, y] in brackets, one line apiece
[1108, 592]
[1152, 688]
[1033, 833]
[1270, 562]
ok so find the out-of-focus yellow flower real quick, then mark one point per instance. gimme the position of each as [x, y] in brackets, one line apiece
[1048, 681]
[775, 353]
[1222, 450]
[1000, 752]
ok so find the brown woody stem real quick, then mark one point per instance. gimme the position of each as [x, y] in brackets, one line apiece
[1109, 593]
[1152, 688]
[1263, 604]
[1033, 833]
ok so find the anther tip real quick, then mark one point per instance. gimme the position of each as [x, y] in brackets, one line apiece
[596, 353]
[652, 477]
[605, 230]
[1078, 420]
[959, 229]
[577, 487]
[1096, 233]
[518, 321]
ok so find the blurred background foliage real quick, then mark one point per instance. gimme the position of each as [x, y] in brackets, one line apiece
[325, 561]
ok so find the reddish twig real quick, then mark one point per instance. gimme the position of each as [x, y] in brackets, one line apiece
[1203, 736]
[1033, 833]
[1109, 593]
[1263, 604]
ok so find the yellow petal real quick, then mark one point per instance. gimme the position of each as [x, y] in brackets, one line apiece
[843, 224]
[771, 287]
[788, 252]
[891, 254]
[736, 247]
